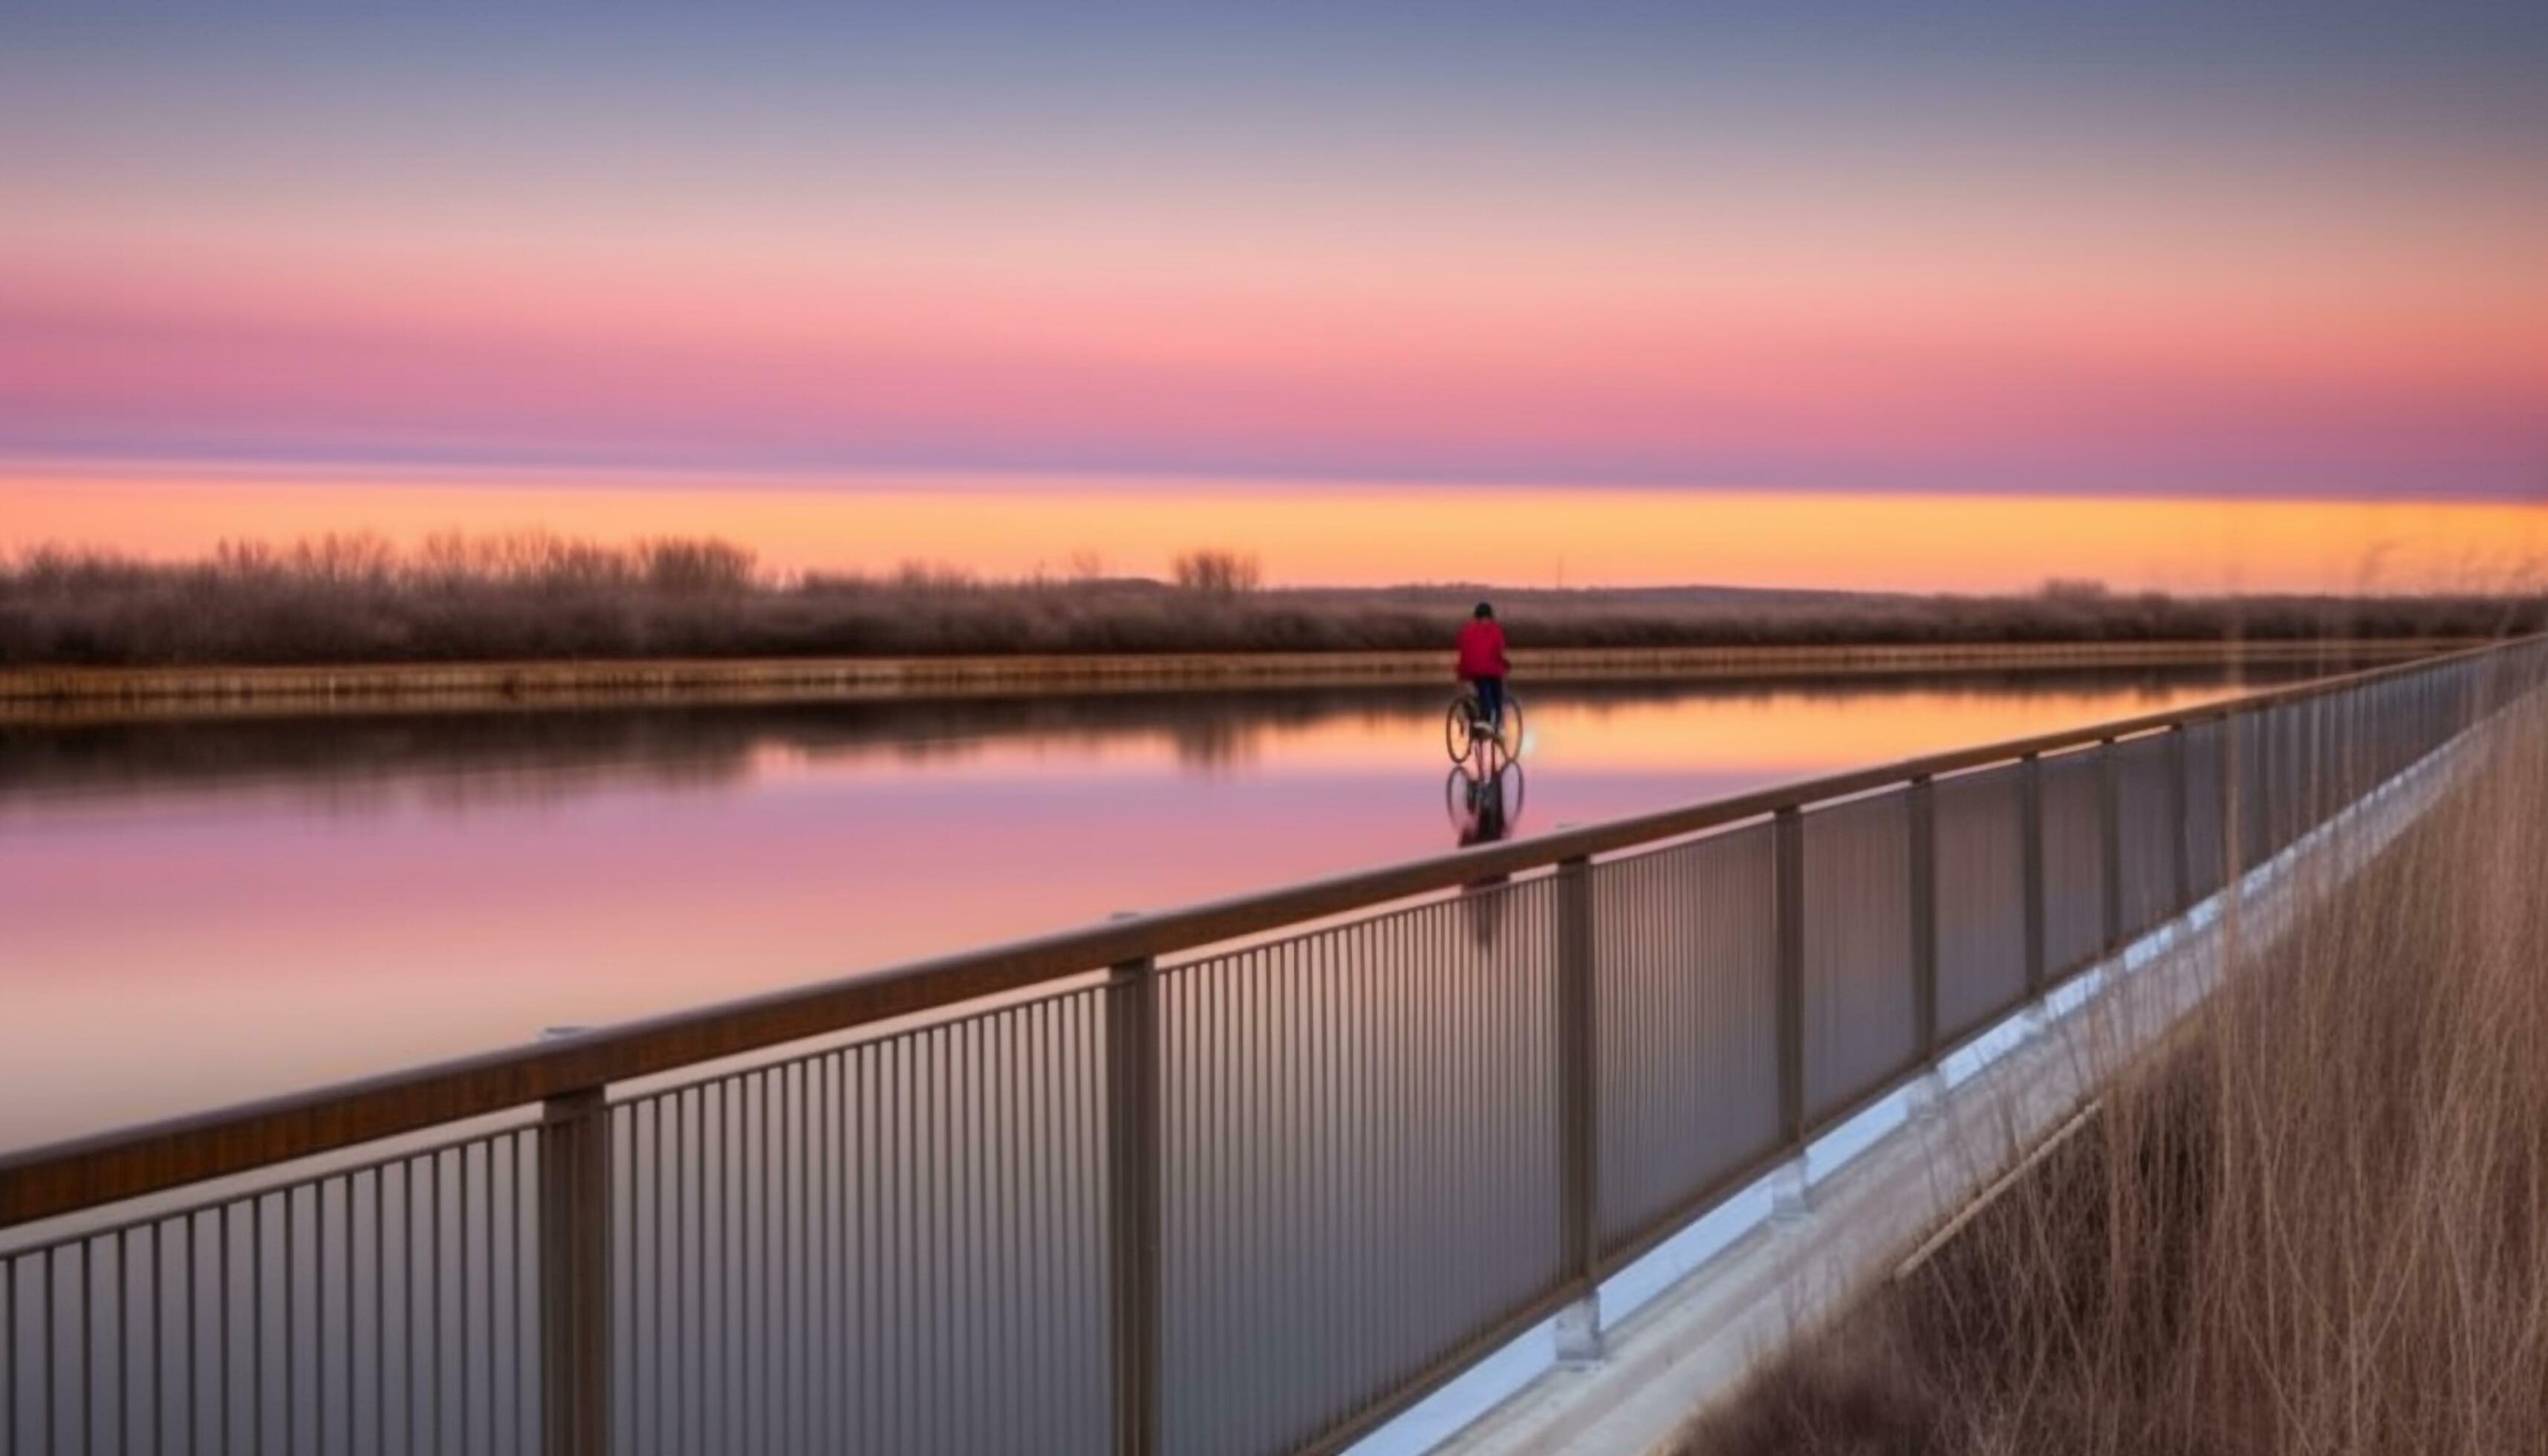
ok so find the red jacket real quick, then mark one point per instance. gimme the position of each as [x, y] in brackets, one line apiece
[1482, 650]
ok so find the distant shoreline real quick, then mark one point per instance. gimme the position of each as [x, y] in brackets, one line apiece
[54, 694]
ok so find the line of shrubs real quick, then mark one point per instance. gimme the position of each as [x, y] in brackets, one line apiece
[453, 598]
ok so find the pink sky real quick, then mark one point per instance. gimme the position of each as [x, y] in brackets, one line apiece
[1822, 344]
[2035, 251]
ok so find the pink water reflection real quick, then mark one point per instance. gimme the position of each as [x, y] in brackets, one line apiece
[183, 928]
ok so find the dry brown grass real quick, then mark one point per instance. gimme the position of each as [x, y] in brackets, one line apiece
[531, 596]
[2318, 1225]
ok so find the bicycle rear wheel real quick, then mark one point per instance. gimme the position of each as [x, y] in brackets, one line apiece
[1458, 733]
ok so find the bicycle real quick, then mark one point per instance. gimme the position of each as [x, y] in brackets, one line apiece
[1465, 728]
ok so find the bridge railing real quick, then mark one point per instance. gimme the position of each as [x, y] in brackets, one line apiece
[1252, 1175]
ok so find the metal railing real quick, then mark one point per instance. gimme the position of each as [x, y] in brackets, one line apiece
[1252, 1176]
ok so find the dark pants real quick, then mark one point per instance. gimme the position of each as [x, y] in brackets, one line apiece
[1490, 699]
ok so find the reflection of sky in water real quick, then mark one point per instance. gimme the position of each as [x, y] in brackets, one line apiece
[195, 914]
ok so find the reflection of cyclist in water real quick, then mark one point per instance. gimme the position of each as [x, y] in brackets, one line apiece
[1483, 664]
[1482, 810]
[1486, 823]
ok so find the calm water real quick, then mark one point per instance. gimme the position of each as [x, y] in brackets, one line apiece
[195, 913]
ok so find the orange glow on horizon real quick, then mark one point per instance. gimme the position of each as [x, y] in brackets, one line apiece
[1332, 534]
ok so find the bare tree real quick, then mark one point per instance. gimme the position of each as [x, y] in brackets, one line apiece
[1219, 571]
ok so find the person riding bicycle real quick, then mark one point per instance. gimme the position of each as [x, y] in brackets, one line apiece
[1483, 664]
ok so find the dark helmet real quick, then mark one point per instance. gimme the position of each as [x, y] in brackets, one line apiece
[1483, 612]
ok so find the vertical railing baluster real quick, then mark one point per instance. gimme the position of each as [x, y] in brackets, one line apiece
[291, 1324]
[1924, 914]
[1132, 1188]
[9, 1351]
[50, 1343]
[256, 1322]
[575, 1274]
[1578, 1325]
[158, 1432]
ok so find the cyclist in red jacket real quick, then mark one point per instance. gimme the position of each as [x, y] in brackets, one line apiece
[1483, 662]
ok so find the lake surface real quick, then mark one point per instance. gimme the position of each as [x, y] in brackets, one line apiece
[193, 912]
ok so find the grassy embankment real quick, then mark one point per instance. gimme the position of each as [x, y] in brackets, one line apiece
[355, 599]
[2320, 1225]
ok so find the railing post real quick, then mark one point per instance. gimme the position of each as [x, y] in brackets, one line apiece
[1927, 1090]
[1133, 1200]
[2180, 819]
[2235, 798]
[1788, 883]
[1578, 1325]
[575, 1274]
[2110, 828]
[2030, 833]
[1924, 913]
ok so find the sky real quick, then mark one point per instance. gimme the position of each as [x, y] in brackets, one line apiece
[1631, 256]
